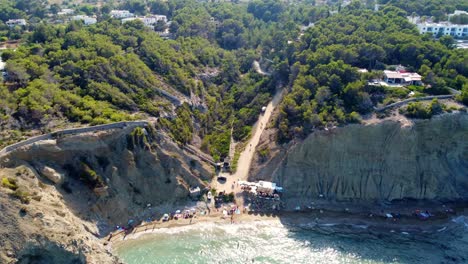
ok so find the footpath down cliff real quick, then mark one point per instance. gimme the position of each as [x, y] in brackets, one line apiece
[59, 197]
[381, 162]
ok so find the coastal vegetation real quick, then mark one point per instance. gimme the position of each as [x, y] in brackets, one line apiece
[429, 8]
[17, 191]
[199, 83]
[326, 85]
[90, 177]
[138, 138]
[9, 183]
[421, 110]
[72, 73]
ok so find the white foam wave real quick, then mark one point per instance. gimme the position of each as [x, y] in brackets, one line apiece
[261, 242]
[206, 227]
[461, 220]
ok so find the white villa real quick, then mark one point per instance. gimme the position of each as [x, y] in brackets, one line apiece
[86, 19]
[402, 78]
[149, 21]
[16, 22]
[121, 14]
[66, 12]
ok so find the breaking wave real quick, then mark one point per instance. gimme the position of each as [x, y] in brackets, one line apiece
[272, 242]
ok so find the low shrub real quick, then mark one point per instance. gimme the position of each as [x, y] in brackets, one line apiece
[264, 153]
[420, 110]
[10, 183]
[23, 196]
[228, 198]
[213, 191]
[90, 177]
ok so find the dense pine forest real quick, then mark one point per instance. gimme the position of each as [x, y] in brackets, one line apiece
[64, 74]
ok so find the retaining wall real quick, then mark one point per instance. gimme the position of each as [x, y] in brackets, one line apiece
[71, 131]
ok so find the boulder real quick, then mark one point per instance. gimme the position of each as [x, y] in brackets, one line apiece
[51, 174]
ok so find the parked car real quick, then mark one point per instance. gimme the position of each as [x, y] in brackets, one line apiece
[222, 179]
[165, 218]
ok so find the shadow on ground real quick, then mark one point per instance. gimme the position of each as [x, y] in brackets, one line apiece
[46, 252]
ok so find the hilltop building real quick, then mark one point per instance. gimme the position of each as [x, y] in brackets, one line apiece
[444, 28]
[148, 21]
[86, 19]
[121, 14]
[16, 22]
[66, 12]
[402, 78]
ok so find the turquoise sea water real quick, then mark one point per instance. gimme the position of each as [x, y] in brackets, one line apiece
[271, 242]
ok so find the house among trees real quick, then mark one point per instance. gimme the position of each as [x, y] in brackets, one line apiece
[402, 78]
[443, 28]
[16, 22]
[66, 12]
[120, 14]
[148, 21]
[86, 19]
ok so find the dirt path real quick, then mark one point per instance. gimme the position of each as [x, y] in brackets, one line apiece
[247, 155]
[258, 69]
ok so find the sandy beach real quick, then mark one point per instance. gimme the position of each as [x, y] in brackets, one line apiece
[216, 217]
[325, 221]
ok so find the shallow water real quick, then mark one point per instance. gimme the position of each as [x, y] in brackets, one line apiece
[271, 242]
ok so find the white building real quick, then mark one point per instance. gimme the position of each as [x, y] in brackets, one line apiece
[443, 28]
[402, 78]
[268, 187]
[86, 19]
[66, 12]
[149, 21]
[125, 20]
[121, 14]
[160, 18]
[458, 12]
[16, 22]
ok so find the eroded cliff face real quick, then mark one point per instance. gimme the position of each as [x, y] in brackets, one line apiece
[381, 162]
[79, 187]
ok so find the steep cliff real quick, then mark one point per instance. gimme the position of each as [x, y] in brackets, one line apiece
[380, 162]
[61, 195]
